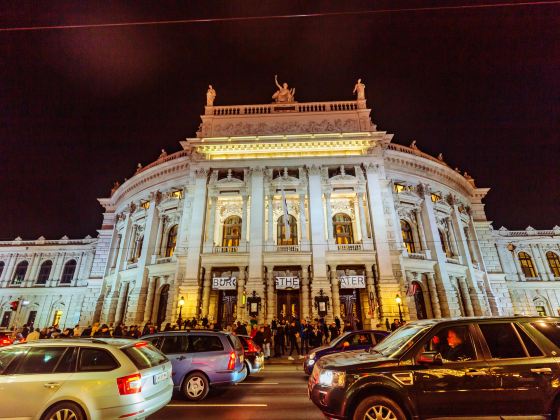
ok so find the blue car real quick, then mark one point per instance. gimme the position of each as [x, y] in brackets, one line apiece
[201, 359]
[350, 340]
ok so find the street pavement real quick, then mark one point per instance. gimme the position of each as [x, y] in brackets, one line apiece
[279, 392]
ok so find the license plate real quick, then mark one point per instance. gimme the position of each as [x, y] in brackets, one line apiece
[160, 377]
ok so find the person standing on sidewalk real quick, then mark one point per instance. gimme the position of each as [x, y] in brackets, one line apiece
[267, 341]
[294, 335]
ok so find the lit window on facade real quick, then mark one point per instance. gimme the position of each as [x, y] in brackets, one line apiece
[527, 265]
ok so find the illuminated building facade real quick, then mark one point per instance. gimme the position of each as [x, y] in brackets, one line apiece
[289, 209]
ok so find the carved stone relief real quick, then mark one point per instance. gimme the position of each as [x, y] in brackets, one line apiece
[285, 127]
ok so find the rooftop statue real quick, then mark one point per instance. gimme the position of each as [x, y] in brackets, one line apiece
[283, 94]
[210, 96]
[360, 88]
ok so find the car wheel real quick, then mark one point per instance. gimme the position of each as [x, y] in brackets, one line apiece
[378, 408]
[64, 411]
[196, 387]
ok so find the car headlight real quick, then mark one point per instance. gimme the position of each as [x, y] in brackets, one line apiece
[331, 378]
[312, 356]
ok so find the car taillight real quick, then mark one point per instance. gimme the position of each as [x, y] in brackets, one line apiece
[251, 346]
[131, 384]
[5, 341]
[231, 362]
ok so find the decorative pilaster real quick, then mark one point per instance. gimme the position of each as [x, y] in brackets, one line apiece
[305, 291]
[303, 219]
[244, 223]
[335, 290]
[329, 217]
[433, 295]
[149, 300]
[466, 296]
[421, 232]
[270, 239]
[209, 243]
[270, 304]
[206, 291]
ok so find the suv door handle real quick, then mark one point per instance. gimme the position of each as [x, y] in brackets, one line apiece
[474, 372]
[181, 358]
[51, 385]
[543, 371]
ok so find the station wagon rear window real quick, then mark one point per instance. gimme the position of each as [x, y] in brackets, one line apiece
[144, 355]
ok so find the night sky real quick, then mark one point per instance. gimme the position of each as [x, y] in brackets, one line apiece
[79, 108]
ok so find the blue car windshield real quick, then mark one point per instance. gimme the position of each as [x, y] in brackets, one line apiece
[395, 344]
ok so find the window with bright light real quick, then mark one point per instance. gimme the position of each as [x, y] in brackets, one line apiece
[554, 263]
[408, 238]
[527, 265]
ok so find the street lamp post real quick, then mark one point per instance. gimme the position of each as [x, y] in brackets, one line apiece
[180, 319]
[399, 301]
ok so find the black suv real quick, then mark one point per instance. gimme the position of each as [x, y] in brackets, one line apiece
[463, 368]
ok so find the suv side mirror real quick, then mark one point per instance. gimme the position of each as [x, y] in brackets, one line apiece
[431, 358]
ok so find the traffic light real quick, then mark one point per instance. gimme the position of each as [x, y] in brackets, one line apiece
[14, 305]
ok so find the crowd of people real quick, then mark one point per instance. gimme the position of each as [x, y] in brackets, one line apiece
[287, 336]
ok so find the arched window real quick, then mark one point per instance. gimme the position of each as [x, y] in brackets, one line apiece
[171, 241]
[282, 231]
[342, 227]
[68, 272]
[408, 238]
[44, 272]
[554, 263]
[19, 274]
[232, 231]
[1, 267]
[444, 243]
[527, 265]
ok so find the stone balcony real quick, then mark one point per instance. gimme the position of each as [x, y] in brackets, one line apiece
[291, 107]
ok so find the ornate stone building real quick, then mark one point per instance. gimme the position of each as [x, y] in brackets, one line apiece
[286, 209]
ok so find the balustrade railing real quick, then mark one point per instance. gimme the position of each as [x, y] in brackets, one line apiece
[417, 255]
[283, 107]
[288, 248]
[349, 247]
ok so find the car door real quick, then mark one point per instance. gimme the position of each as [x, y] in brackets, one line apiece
[209, 356]
[36, 376]
[176, 348]
[461, 385]
[524, 371]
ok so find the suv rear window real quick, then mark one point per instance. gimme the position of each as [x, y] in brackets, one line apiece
[203, 343]
[144, 355]
[550, 330]
[237, 343]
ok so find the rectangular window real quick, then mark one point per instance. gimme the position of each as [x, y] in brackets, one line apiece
[95, 360]
[145, 204]
[399, 188]
[435, 197]
[203, 343]
[502, 341]
[175, 344]
[40, 360]
[177, 194]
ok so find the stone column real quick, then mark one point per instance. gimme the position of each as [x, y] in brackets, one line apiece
[159, 239]
[206, 291]
[132, 244]
[244, 224]
[120, 303]
[303, 219]
[335, 287]
[270, 301]
[546, 265]
[240, 290]
[370, 289]
[363, 225]
[270, 223]
[6, 274]
[28, 280]
[434, 295]
[453, 239]
[149, 300]
[539, 263]
[466, 295]
[305, 291]
[209, 243]
[421, 232]
[329, 217]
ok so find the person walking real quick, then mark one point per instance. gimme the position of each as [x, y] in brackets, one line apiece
[293, 335]
[267, 341]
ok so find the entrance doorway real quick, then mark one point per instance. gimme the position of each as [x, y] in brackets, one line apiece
[287, 304]
[227, 307]
[350, 307]
[162, 307]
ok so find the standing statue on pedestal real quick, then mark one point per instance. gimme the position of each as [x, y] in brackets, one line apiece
[283, 94]
[360, 88]
[210, 96]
